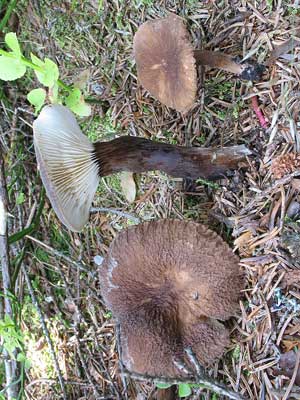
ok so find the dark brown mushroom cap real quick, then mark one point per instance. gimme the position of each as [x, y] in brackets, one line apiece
[164, 281]
[207, 338]
[151, 349]
[171, 265]
[165, 62]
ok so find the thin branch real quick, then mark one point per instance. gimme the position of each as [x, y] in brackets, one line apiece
[206, 382]
[181, 367]
[119, 348]
[34, 224]
[9, 10]
[57, 253]
[84, 364]
[198, 367]
[95, 210]
[293, 378]
[46, 332]
[11, 366]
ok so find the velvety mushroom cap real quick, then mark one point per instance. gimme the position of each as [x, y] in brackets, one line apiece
[165, 62]
[164, 281]
[152, 349]
[172, 262]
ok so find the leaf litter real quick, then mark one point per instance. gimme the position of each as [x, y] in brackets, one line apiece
[252, 209]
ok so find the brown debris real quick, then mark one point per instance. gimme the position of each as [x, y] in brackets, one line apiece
[285, 164]
[287, 364]
[292, 278]
[222, 116]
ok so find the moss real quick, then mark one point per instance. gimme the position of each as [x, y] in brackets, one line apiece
[98, 127]
[219, 87]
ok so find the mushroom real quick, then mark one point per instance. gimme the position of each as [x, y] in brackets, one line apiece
[71, 166]
[166, 62]
[169, 283]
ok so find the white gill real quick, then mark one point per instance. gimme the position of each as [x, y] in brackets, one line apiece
[65, 159]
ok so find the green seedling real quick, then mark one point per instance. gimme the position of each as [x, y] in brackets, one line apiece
[14, 65]
[12, 341]
[184, 389]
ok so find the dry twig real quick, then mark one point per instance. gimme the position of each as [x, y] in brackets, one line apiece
[11, 370]
[46, 333]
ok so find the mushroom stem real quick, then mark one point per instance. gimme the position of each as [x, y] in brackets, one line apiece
[135, 154]
[215, 59]
[71, 166]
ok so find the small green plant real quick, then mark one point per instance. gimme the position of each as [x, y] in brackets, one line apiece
[12, 341]
[270, 4]
[13, 65]
[208, 183]
[11, 337]
[184, 389]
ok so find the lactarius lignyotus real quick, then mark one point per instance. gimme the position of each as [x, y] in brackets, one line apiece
[169, 283]
[71, 166]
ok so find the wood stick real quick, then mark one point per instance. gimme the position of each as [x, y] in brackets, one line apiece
[11, 366]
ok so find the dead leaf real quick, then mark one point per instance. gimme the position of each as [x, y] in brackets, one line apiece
[243, 239]
[286, 366]
[291, 241]
[296, 184]
[40, 344]
[289, 345]
[292, 278]
[128, 186]
[281, 49]
[82, 79]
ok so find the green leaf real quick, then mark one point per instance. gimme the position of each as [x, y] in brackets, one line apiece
[11, 68]
[76, 103]
[163, 385]
[20, 198]
[12, 42]
[36, 60]
[21, 357]
[27, 364]
[49, 74]
[37, 98]
[184, 390]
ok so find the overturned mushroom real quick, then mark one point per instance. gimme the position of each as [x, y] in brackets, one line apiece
[70, 165]
[166, 62]
[168, 283]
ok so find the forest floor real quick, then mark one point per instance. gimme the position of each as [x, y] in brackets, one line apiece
[255, 213]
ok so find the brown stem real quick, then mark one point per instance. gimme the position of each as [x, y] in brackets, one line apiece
[247, 70]
[134, 154]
